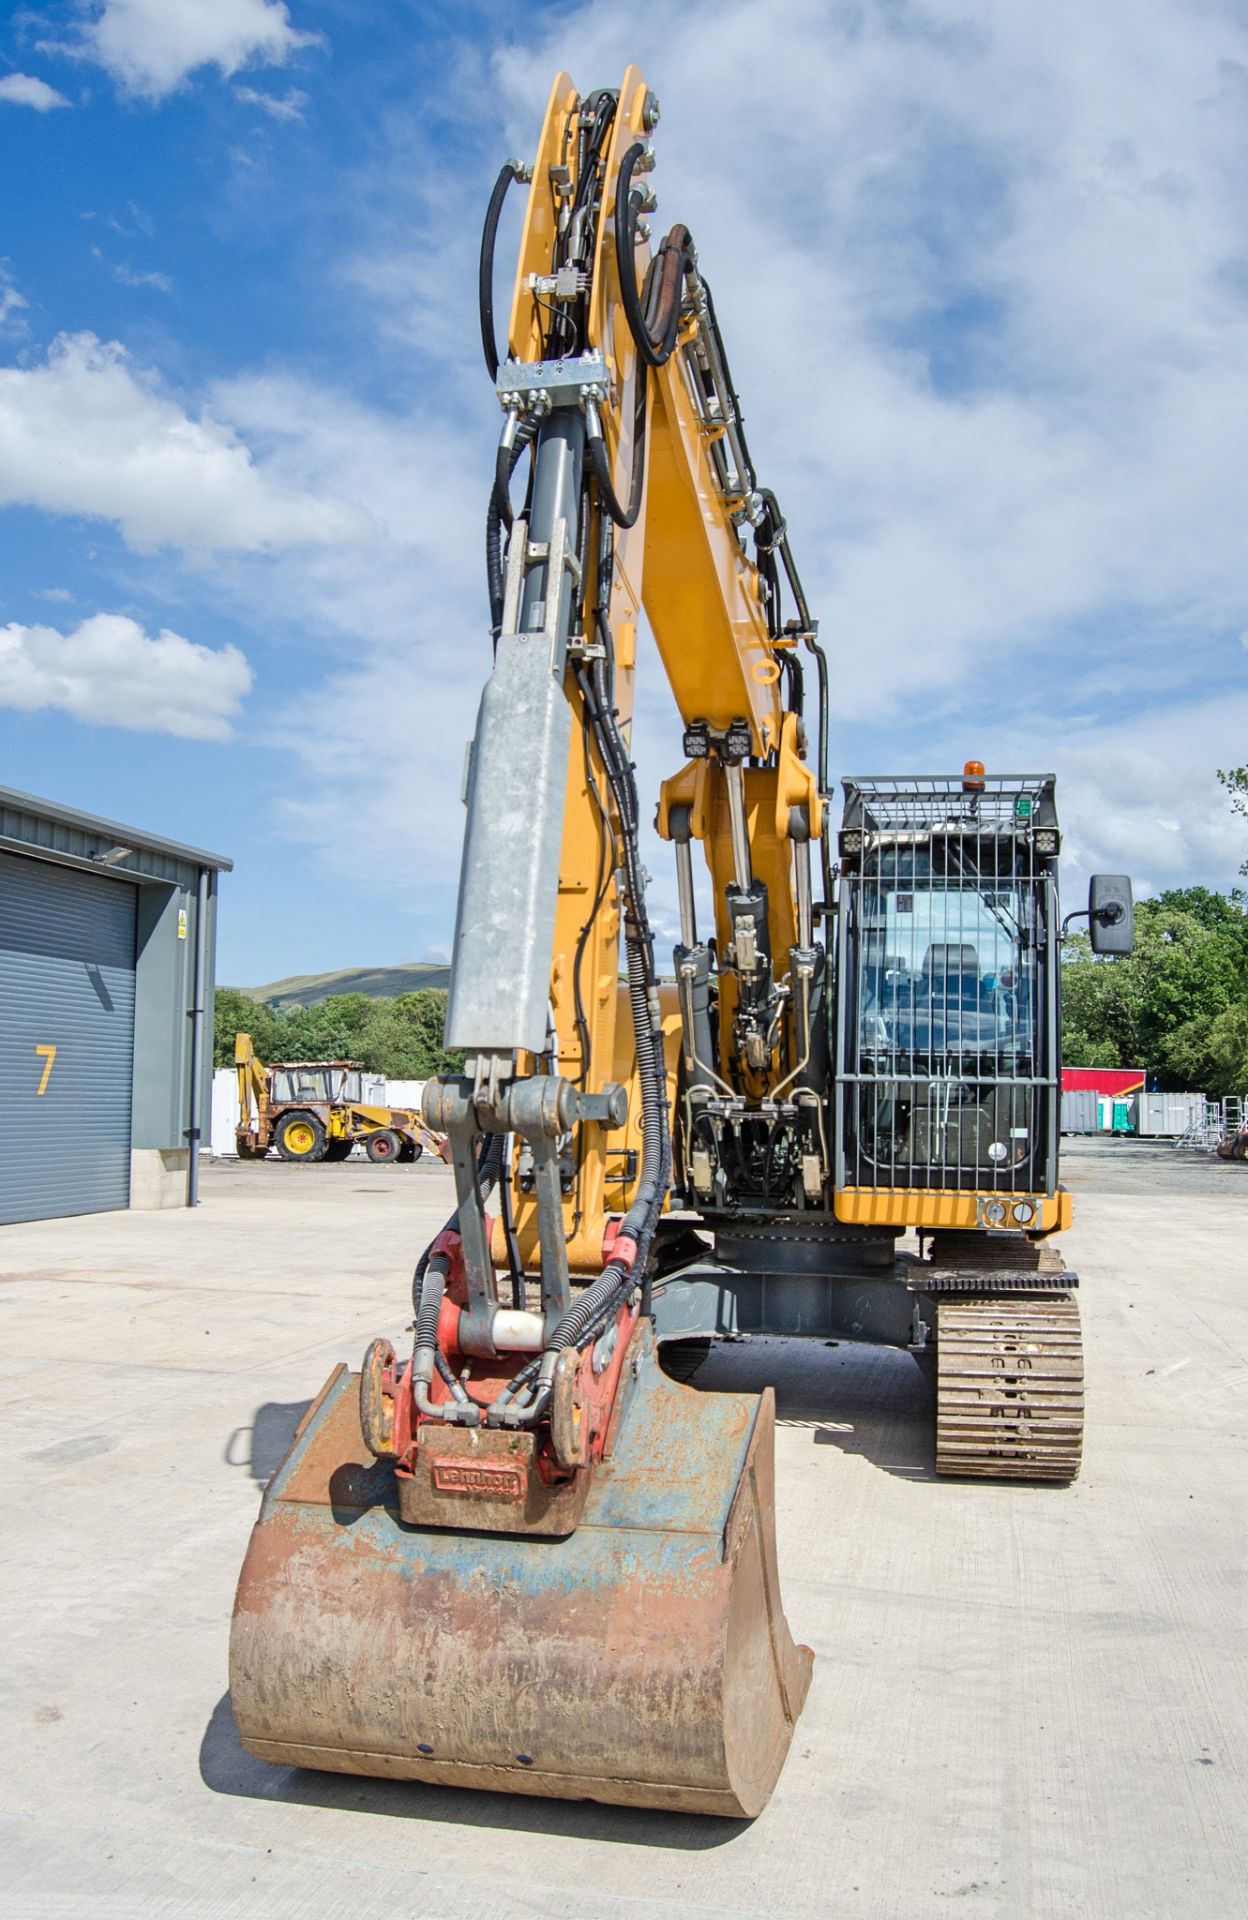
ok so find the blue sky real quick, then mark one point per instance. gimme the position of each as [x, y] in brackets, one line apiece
[983, 274]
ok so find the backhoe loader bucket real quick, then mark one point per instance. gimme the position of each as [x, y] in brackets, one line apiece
[644, 1660]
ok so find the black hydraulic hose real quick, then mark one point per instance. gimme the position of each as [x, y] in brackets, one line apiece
[597, 1302]
[509, 171]
[596, 447]
[779, 540]
[500, 496]
[655, 349]
[797, 682]
[525, 1378]
[639, 1224]
[641, 1219]
[821, 668]
[733, 396]
[780, 544]
[603, 103]
[429, 1301]
[499, 513]
[509, 1233]
[458, 1390]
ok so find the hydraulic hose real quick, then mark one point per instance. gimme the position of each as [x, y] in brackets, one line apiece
[429, 1300]
[639, 1222]
[498, 514]
[638, 1225]
[655, 347]
[596, 448]
[509, 1230]
[509, 171]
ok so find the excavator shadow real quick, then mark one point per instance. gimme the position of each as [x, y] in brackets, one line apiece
[871, 1402]
[226, 1767]
[262, 1446]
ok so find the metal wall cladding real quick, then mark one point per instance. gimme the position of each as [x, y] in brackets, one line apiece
[67, 983]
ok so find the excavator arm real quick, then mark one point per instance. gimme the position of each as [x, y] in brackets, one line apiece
[564, 1580]
[642, 493]
[254, 1103]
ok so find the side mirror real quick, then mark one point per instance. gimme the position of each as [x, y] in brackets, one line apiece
[1111, 913]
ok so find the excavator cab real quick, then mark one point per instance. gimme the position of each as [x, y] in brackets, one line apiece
[950, 1083]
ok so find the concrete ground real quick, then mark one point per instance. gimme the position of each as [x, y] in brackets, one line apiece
[1028, 1703]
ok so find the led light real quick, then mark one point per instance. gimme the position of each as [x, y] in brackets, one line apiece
[697, 743]
[1046, 840]
[851, 842]
[994, 1213]
[1024, 1213]
[737, 741]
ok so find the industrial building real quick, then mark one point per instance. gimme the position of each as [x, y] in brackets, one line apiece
[107, 956]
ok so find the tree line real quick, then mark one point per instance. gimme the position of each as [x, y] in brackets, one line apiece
[400, 1038]
[1177, 1007]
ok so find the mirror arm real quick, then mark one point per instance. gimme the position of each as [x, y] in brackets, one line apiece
[1108, 917]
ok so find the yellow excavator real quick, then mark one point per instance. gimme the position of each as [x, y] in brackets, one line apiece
[527, 1555]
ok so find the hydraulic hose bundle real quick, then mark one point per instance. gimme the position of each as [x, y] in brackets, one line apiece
[653, 325]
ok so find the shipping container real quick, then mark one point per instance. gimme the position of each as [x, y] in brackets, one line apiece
[1164, 1116]
[1079, 1111]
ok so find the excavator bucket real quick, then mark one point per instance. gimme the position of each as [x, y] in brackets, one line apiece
[643, 1660]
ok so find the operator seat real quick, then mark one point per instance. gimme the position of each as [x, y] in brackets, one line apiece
[951, 975]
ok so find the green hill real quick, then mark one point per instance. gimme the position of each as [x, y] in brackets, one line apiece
[380, 983]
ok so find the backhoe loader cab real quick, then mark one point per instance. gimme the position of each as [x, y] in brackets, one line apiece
[339, 1080]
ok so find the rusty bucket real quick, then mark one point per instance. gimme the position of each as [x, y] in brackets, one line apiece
[644, 1660]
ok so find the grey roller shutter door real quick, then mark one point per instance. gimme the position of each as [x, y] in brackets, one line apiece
[66, 982]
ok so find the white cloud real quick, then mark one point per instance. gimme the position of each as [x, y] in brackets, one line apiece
[84, 433]
[151, 46]
[279, 106]
[24, 90]
[407, 617]
[975, 507]
[128, 276]
[109, 672]
[982, 282]
[11, 301]
[1140, 797]
[1079, 449]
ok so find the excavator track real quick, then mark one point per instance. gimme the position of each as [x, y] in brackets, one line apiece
[1009, 1387]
